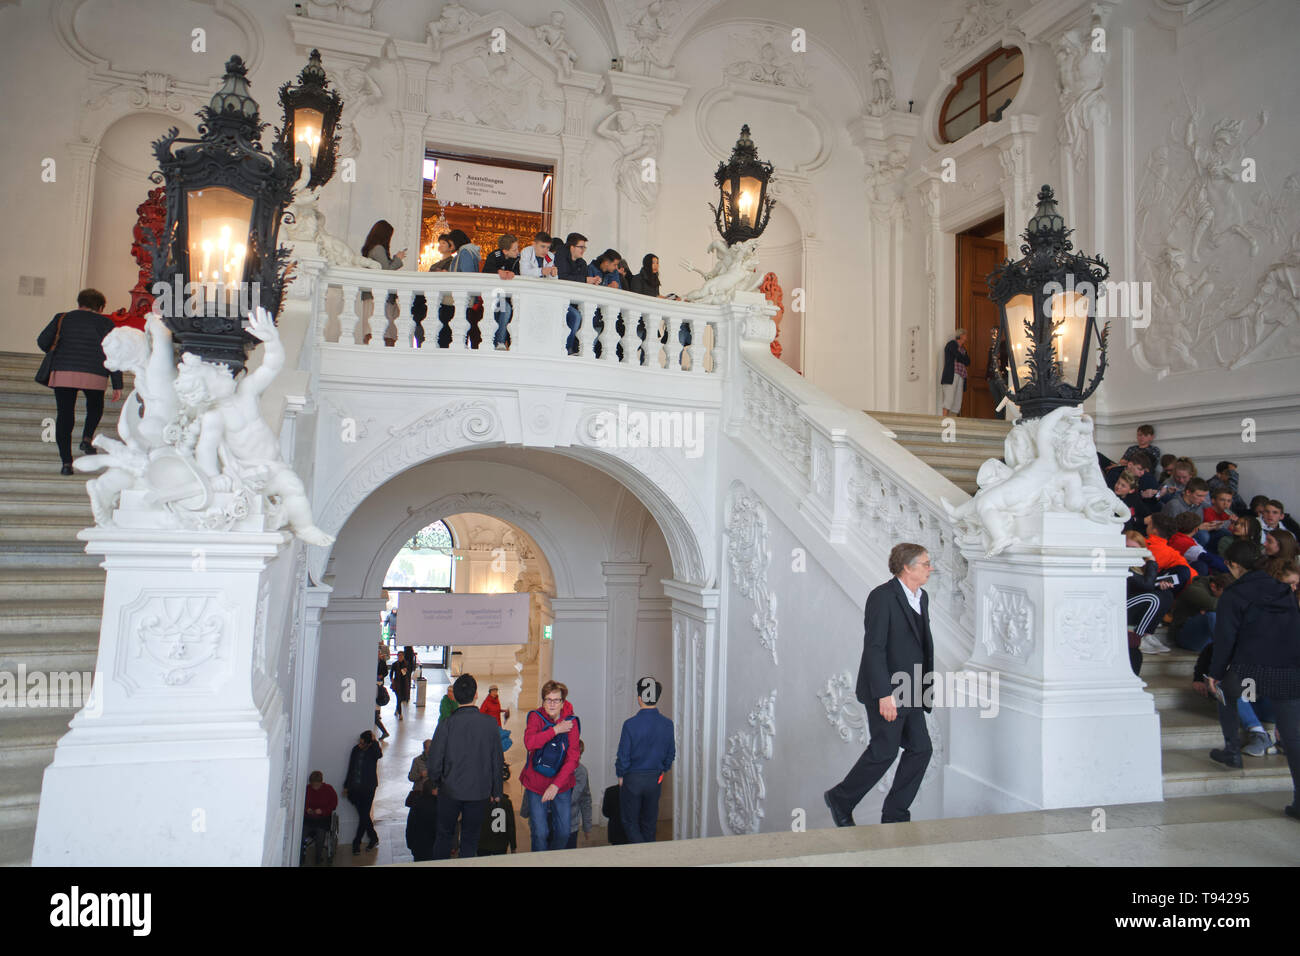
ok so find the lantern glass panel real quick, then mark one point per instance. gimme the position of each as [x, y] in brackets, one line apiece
[1020, 309]
[307, 125]
[219, 220]
[747, 204]
[1070, 322]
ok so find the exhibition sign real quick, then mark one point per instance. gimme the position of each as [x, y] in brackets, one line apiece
[460, 619]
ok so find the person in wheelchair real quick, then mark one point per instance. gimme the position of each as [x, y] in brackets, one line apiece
[322, 801]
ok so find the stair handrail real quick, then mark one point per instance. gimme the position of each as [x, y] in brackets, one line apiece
[841, 463]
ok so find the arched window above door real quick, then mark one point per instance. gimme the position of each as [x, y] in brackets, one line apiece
[981, 93]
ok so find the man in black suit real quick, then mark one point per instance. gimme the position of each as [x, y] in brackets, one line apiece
[897, 646]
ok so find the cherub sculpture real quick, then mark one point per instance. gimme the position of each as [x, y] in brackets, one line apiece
[736, 270]
[1051, 465]
[235, 445]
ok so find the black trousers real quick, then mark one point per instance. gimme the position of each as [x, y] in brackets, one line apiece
[471, 814]
[908, 730]
[362, 800]
[638, 804]
[65, 400]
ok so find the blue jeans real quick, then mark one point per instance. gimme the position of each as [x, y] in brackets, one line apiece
[638, 804]
[1196, 632]
[1288, 728]
[504, 311]
[549, 821]
[1253, 715]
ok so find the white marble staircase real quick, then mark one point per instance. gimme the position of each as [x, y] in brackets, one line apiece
[1189, 730]
[51, 591]
[955, 453]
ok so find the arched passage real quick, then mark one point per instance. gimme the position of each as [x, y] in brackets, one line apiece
[606, 550]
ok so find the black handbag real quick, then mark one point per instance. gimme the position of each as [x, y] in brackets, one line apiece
[381, 696]
[47, 363]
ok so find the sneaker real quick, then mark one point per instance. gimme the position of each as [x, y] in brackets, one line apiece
[1149, 645]
[1259, 743]
[1227, 759]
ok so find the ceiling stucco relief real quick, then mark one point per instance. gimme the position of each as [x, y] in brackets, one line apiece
[1221, 250]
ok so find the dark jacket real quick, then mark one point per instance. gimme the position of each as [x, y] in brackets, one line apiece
[81, 346]
[497, 260]
[646, 283]
[895, 641]
[400, 678]
[363, 769]
[1257, 626]
[422, 826]
[566, 267]
[465, 759]
[952, 353]
[498, 832]
[646, 744]
[609, 808]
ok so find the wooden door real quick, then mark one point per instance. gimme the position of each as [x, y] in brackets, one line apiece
[978, 315]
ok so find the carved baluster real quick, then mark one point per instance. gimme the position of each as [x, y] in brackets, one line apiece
[650, 344]
[405, 322]
[583, 335]
[697, 347]
[321, 314]
[459, 321]
[720, 333]
[608, 337]
[378, 321]
[674, 345]
[629, 341]
[349, 318]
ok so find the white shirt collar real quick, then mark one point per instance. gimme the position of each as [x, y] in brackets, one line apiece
[913, 597]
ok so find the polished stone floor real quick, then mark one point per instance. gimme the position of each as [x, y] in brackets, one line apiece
[1243, 829]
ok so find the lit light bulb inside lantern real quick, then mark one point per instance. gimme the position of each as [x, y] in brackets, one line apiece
[307, 129]
[745, 204]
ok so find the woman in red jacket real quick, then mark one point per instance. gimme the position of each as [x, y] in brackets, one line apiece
[551, 738]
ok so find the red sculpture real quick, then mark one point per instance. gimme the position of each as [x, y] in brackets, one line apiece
[151, 215]
[771, 288]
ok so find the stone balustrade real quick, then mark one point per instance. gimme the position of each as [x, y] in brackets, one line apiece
[480, 312]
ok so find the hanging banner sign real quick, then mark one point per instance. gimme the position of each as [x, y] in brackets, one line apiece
[479, 185]
[459, 619]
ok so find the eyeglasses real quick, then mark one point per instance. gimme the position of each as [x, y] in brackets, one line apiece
[553, 700]
[923, 564]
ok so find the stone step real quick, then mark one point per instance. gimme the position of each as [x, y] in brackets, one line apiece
[30, 734]
[43, 489]
[56, 651]
[20, 793]
[1190, 729]
[1172, 691]
[71, 584]
[66, 506]
[1177, 663]
[47, 561]
[43, 531]
[1192, 773]
[43, 466]
[34, 617]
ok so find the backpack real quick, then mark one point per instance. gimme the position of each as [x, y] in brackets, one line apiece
[549, 758]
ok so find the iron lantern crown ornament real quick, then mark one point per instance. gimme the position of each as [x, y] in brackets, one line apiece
[311, 116]
[1047, 317]
[217, 258]
[744, 206]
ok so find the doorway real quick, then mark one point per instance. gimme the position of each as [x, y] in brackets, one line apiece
[980, 250]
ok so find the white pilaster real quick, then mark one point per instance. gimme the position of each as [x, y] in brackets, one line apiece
[1069, 724]
[697, 696]
[174, 760]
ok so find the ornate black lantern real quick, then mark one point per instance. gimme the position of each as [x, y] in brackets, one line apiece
[217, 258]
[744, 206]
[1047, 302]
[311, 116]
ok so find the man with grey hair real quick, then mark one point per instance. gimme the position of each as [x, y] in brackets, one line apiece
[897, 641]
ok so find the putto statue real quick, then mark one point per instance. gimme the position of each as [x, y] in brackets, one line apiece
[1051, 465]
[194, 450]
[735, 271]
[552, 35]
